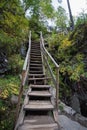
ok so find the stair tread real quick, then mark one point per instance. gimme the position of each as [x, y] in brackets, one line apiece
[32, 64]
[36, 75]
[39, 105]
[35, 61]
[36, 67]
[40, 86]
[35, 49]
[39, 93]
[52, 126]
[39, 102]
[39, 119]
[39, 54]
[35, 72]
[40, 78]
[35, 56]
[38, 46]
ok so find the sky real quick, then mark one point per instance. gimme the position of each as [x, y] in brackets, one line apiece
[76, 5]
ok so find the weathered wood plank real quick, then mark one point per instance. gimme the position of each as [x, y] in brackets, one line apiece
[40, 86]
[40, 127]
[40, 93]
[45, 78]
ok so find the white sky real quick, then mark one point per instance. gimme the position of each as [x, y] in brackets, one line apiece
[76, 5]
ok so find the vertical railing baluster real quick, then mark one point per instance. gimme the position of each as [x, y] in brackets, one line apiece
[57, 87]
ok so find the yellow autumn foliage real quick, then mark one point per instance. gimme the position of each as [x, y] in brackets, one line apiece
[4, 94]
[65, 43]
[9, 86]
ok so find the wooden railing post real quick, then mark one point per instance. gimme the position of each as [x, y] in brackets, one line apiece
[57, 86]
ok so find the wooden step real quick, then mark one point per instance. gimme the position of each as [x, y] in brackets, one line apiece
[37, 67]
[35, 72]
[37, 54]
[38, 45]
[39, 105]
[35, 59]
[40, 86]
[40, 93]
[53, 126]
[34, 64]
[37, 102]
[34, 56]
[32, 68]
[35, 49]
[34, 43]
[45, 78]
[36, 75]
[39, 119]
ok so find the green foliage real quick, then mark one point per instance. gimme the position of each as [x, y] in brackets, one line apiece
[15, 64]
[36, 26]
[13, 24]
[7, 124]
[47, 8]
[8, 86]
[39, 12]
[6, 115]
[68, 53]
[61, 18]
[61, 107]
[39, 7]
[62, 49]
[79, 38]
[82, 18]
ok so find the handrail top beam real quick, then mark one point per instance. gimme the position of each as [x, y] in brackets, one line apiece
[27, 56]
[57, 66]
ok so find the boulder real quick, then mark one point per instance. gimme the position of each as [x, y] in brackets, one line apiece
[66, 123]
[14, 99]
[75, 104]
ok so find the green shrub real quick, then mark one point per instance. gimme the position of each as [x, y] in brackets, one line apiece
[15, 64]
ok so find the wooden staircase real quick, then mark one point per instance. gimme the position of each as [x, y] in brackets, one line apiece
[37, 112]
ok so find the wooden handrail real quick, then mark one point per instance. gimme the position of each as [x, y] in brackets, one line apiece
[55, 78]
[27, 56]
[48, 52]
[26, 63]
[24, 77]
